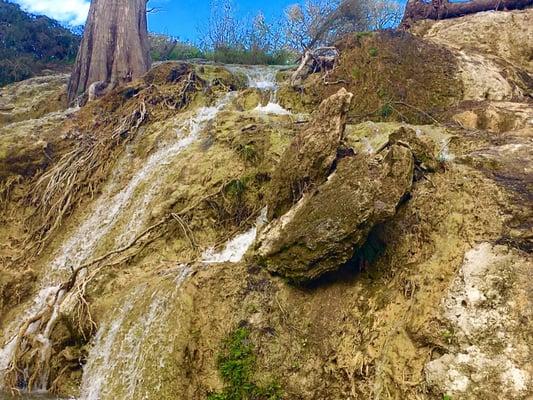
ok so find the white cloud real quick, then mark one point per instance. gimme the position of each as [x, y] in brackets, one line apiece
[73, 12]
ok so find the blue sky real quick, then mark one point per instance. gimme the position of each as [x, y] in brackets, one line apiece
[183, 17]
[180, 18]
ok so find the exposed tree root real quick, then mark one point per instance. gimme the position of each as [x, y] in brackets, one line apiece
[78, 174]
[30, 363]
[321, 59]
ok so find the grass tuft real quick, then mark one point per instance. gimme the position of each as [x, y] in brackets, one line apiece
[237, 365]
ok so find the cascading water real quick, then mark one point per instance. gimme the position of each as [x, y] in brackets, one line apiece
[264, 79]
[119, 351]
[237, 247]
[108, 210]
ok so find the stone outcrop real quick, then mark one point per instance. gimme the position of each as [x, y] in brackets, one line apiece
[33, 98]
[422, 147]
[325, 228]
[309, 159]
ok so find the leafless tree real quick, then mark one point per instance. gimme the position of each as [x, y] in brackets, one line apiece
[318, 23]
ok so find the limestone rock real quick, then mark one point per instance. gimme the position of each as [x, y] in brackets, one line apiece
[508, 35]
[423, 148]
[250, 99]
[309, 159]
[486, 306]
[324, 229]
[32, 98]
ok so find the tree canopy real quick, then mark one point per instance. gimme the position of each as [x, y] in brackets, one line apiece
[30, 43]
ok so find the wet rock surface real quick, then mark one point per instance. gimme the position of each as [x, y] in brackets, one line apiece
[444, 311]
[33, 98]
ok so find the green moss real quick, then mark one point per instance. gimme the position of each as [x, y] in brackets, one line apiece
[361, 35]
[236, 187]
[236, 365]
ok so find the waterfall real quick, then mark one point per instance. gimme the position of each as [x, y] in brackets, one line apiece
[237, 247]
[108, 210]
[119, 214]
[264, 79]
[122, 344]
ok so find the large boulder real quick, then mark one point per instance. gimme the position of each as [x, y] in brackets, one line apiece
[309, 159]
[324, 229]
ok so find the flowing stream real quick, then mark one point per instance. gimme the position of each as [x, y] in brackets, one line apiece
[116, 345]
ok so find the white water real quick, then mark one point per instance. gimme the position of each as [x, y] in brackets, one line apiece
[272, 109]
[237, 247]
[108, 210]
[119, 349]
[99, 362]
[264, 79]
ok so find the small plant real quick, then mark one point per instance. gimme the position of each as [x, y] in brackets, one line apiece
[386, 111]
[361, 35]
[248, 152]
[448, 336]
[236, 187]
[356, 73]
[373, 52]
[447, 397]
[236, 365]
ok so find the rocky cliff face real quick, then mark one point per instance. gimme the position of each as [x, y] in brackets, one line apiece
[187, 237]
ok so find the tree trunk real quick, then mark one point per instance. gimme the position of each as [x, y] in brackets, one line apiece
[115, 47]
[441, 9]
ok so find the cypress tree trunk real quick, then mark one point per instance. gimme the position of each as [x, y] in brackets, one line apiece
[114, 48]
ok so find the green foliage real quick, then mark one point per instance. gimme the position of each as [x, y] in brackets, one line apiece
[29, 44]
[386, 111]
[363, 34]
[236, 365]
[240, 55]
[236, 187]
[165, 48]
[447, 397]
[373, 52]
[248, 152]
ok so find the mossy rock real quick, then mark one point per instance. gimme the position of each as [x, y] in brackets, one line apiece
[311, 155]
[329, 224]
[394, 76]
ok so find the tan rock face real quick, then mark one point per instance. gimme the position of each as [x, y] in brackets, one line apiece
[493, 52]
[483, 311]
[32, 98]
[423, 148]
[497, 117]
[322, 231]
[508, 35]
[308, 160]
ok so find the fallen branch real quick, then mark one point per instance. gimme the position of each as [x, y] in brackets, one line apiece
[441, 9]
[320, 59]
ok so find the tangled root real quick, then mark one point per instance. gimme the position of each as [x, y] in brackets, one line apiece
[78, 174]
